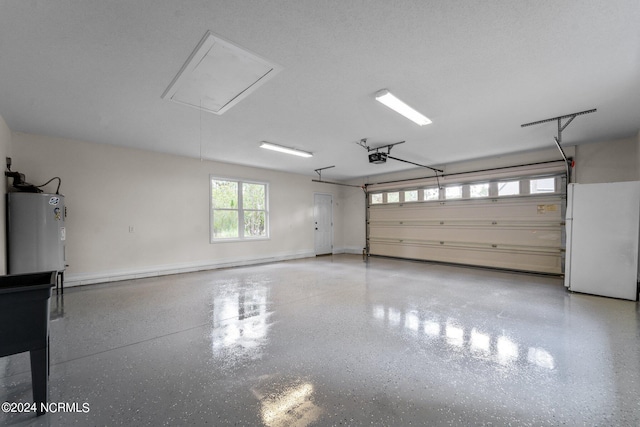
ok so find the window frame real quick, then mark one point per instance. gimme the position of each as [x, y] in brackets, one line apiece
[240, 210]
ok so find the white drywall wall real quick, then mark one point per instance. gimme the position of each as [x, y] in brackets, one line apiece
[165, 198]
[607, 161]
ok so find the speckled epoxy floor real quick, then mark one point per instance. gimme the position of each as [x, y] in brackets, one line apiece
[337, 341]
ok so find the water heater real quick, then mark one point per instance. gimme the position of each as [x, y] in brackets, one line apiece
[36, 232]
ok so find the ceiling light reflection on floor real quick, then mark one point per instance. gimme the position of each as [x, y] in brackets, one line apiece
[541, 357]
[293, 407]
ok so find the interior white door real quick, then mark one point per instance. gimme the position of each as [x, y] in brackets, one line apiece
[604, 239]
[323, 219]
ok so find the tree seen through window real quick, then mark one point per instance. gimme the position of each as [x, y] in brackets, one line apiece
[238, 209]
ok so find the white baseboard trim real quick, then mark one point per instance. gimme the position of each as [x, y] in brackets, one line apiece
[79, 279]
[348, 250]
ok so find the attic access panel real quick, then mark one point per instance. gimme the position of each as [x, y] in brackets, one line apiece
[218, 75]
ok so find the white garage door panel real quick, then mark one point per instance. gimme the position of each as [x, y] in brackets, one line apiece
[523, 232]
[542, 262]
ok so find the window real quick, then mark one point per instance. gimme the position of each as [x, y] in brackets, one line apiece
[453, 192]
[543, 185]
[411, 196]
[431, 193]
[540, 183]
[376, 199]
[508, 188]
[393, 197]
[238, 209]
[479, 190]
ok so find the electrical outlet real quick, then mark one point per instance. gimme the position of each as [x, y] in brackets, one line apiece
[131, 229]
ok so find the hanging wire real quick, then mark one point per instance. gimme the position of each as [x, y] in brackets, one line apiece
[59, 183]
[200, 129]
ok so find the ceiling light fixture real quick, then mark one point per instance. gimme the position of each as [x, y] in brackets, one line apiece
[280, 148]
[387, 98]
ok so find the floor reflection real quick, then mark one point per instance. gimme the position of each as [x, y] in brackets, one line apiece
[286, 402]
[56, 306]
[480, 342]
[240, 323]
[540, 357]
[502, 349]
[454, 334]
[507, 351]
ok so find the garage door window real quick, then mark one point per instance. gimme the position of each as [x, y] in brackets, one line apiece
[453, 192]
[542, 185]
[522, 187]
[376, 199]
[411, 196]
[479, 190]
[393, 197]
[431, 193]
[509, 188]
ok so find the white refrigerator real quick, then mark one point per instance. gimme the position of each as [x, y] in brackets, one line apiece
[603, 231]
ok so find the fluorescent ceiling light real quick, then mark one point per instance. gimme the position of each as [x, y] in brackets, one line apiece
[280, 148]
[387, 98]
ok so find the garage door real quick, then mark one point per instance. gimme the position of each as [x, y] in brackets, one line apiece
[512, 218]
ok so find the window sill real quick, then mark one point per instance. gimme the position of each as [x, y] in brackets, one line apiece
[250, 239]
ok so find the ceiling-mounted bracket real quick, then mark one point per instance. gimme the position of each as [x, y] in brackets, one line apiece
[561, 127]
[319, 171]
[363, 144]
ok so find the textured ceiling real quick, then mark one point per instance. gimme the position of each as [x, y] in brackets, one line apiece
[95, 70]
